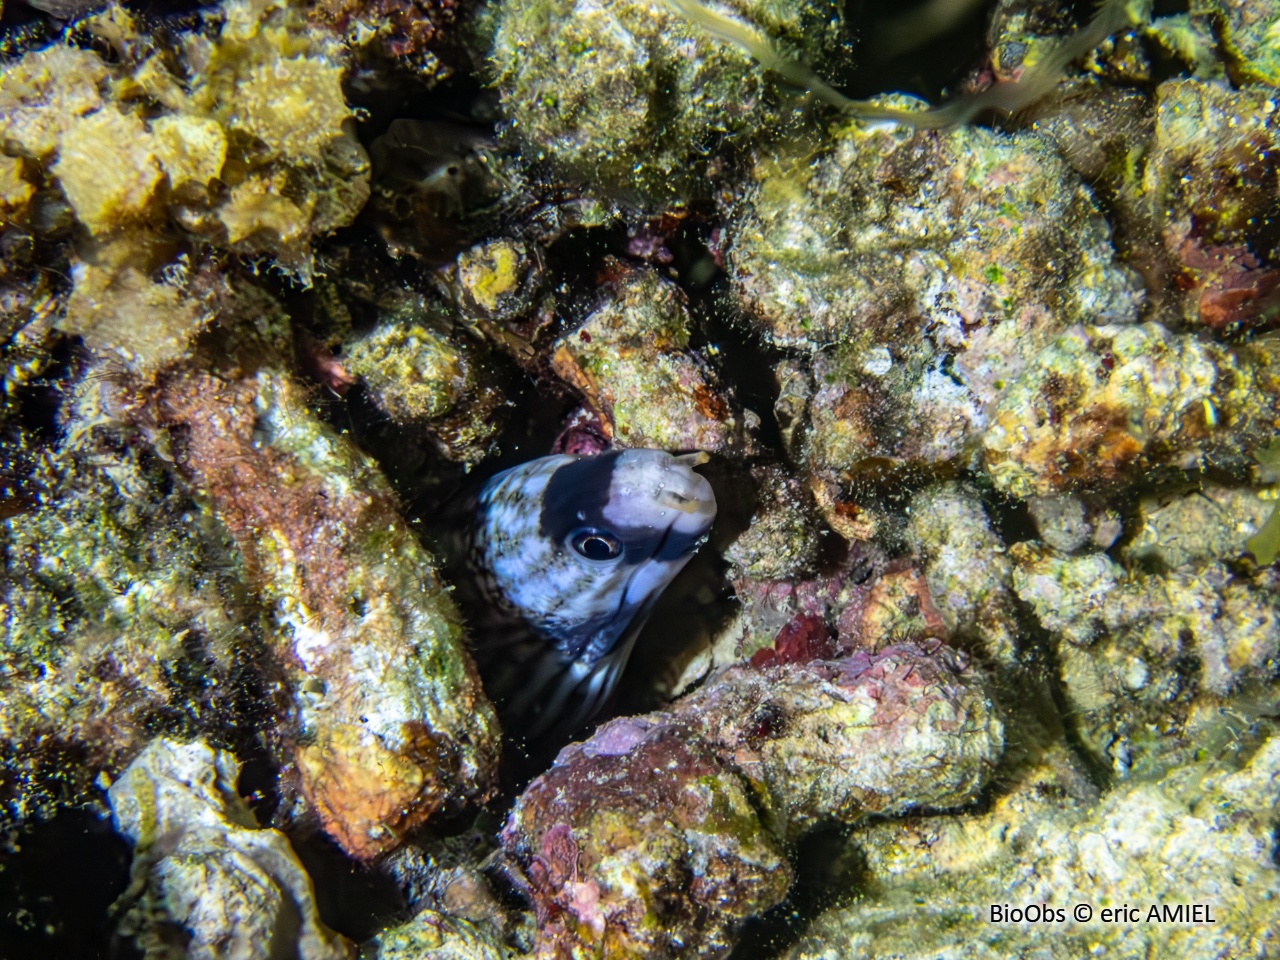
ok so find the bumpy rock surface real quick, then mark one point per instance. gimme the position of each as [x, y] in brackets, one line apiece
[205, 874]
[441, 937]
[1215, 523]
[1145, 660]
[929, 268]
[784, 539]
[640, 843]
[632, 362]
[427, 381]
[121, 614]
[869, 733]
[391, 722]
[1101, 404]
[967, 569]
[1249, 28]
[629, 96]
[1201, 835]
[662, 833]
[1210, 172]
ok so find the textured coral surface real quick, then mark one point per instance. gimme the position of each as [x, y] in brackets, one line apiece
[988, 614]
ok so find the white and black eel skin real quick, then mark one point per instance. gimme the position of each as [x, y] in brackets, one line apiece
[565, 556]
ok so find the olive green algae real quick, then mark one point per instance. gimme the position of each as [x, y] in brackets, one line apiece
[427, 381]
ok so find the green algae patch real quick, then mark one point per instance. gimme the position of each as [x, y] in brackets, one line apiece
[1265, 544]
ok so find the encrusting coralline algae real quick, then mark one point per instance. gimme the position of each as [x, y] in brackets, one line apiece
[987, 614]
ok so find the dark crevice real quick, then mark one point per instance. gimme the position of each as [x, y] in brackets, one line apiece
[58, 879]
[1038, 648]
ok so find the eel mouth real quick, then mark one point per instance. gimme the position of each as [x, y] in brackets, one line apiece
[687, 492]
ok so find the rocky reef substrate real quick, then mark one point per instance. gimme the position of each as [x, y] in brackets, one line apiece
[988, 615]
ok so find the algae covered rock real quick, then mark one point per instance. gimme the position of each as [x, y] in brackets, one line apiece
[122, 613]
[640, 842]
[496, 282]
[632, 97]
[923, 271]
[631, 360]
[439, 936]
[1211, 172]
[871, 733]
[1146, 659]
[1211, 165]
[784, 539]
[1201, 835]
[392, 725]
[1246, 30]
[1215, 523]
[1101, 405]
[626, 844]
[205, 874]
[425, 375]
[1065, 522]
[967, 569]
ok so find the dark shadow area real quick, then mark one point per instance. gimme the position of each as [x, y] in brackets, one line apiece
[58, 880]
[924, 71]
[355, 900]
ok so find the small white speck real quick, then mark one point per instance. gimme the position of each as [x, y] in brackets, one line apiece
[877, 362]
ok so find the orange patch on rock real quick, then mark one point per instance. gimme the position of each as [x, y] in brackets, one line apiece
[710, 404]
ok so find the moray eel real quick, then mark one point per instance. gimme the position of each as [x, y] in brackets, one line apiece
[565, 557]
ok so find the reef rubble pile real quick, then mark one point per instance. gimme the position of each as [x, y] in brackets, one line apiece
[989, 615]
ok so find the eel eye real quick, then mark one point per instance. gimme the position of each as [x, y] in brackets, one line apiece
[596, 544]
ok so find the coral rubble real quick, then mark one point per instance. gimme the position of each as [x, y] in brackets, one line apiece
[923, 271]
[1199, 835]
[989, 612]
[661, 833]
[204, 873]
[632, 362]
[392, 724]
[1103, 404]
